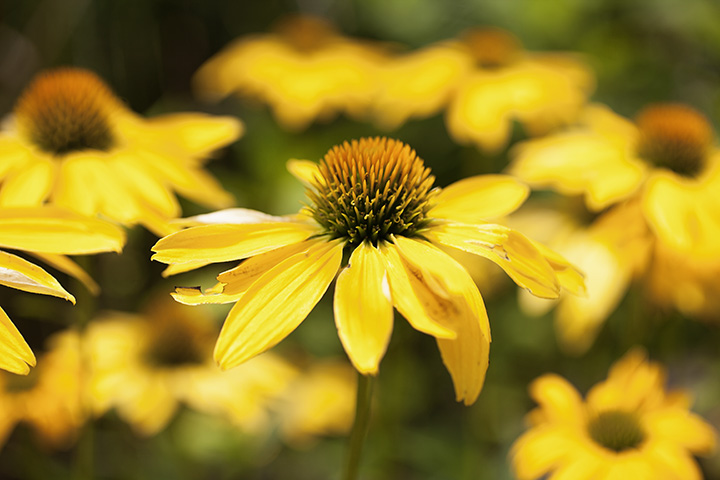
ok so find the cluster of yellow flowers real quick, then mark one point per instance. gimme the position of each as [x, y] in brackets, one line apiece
[76, 164]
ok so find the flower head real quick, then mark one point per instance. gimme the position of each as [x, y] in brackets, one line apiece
[666, 159]
[48, 233]
[71, 142]
[304, 71]
[371, 199]
[627, 427]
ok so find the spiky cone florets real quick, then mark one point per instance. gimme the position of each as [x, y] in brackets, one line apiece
[370, 189]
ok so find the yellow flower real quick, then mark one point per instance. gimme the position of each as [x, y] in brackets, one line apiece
[147, 365]
[72, 143]
[666, 159]
[305, 71]
[540, 90]
[49, 398]
[372, 200]
[627, 427]
[48, 233]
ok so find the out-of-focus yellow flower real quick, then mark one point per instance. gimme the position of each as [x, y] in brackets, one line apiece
[49, 398]
[321, 401]
[666, 158]
[147, 365]
[48, 233]
[627, 427]
[540, 90]
[305, 71]
[687, 284]
[374, 201]
[72, 143]
[612, 251]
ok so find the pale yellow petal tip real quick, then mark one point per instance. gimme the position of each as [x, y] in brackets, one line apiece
[304, 170]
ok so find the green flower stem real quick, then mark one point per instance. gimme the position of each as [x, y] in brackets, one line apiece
[360, 427]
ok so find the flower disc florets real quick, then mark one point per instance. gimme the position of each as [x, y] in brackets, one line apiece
[67, 110]
[616, 430]
[675, 137]
[372, 188]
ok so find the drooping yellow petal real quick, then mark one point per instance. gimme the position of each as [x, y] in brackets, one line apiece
[87, 184]
[220, 243]
[15, 354]
[195, 296]
[684, 213]
[478, 199]
[55, 230]
[304, 170]
[277, 303]
[150, 190]
[29, 186]
[568, 275]
[237, 280]
[673, 460]
[466, 356]
[419, 305]
[514, 253]
[196, 133]
[66, 265]
[579, 162]
[363, 312]
[18, 273]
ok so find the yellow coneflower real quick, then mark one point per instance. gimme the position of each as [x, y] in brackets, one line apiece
[304, 71]
[72, 143]
[666, 158]
[48, 233]
[540, 90]
[146, 366]
[49, 399]
[627, 427]
[372, 200]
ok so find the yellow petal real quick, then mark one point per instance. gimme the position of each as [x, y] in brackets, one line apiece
[420, 306]
[363, 312]
[673, 460]
[478, 199]
[221, 243]
[197, 133]
[195, 296]
[514, 253]
[568, 275]
[538, 452]
[15, 354]
[238, 279]
[230, 215]
[684, 213]
[579, 162]
[560, 402]
[29, 186]
[277, 303]
[87, 184]
[466, 356]
[66, 265]
[151, 191]
[305, 171]
[18, 273]
[683, 428]
[54, 230]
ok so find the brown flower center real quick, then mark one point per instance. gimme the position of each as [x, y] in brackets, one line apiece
[370, 189]
[675, 137]
[493, 47]
[616, 430]
[174, 343]
[67, 110]
[306, 33]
